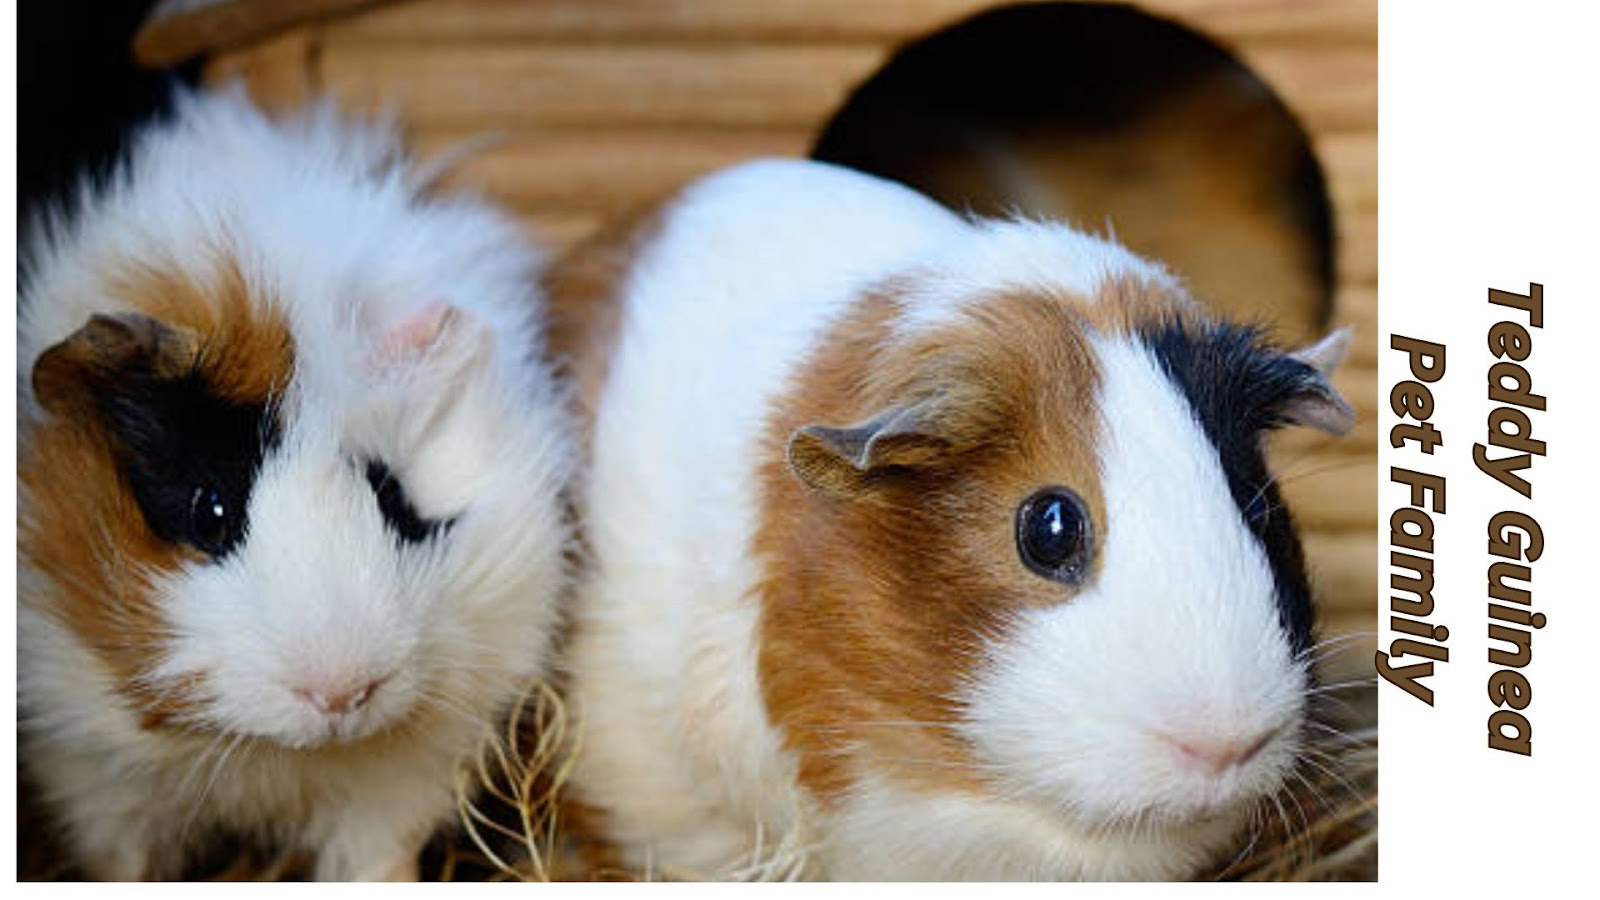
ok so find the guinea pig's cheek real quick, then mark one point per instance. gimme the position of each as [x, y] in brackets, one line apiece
[213, 645]
[1081, 712]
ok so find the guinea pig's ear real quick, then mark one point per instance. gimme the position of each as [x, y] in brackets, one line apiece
[839, 460]
[108, 355]
[441, 336]
[1316, 402]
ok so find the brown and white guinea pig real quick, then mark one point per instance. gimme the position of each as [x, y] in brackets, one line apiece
[291, 531]
[921, 547]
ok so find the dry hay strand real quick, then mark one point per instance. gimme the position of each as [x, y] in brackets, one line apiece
[508, 798]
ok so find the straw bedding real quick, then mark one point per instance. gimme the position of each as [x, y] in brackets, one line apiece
[512, 824]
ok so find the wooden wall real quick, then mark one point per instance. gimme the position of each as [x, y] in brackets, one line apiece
[601, 104]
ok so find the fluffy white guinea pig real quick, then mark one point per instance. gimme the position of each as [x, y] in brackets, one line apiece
[923, 548]
[291, 526]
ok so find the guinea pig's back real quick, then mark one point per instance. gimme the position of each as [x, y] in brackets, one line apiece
[745, 273]
[728, 288]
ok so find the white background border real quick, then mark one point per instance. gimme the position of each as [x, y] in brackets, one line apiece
[1487, 164]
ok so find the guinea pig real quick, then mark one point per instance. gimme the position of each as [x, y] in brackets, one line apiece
[290, 477]
[920, 547]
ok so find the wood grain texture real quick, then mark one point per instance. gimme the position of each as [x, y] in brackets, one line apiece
[278, 71]
[443, 85]
[459, 86]
[178, 30]
[805, 20]
[604, 170]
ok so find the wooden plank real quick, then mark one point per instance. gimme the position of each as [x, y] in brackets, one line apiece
[606, 170]
[466, 86]
[1360, 625]
[278, 71]
[1356, 306]
[1346, 658]
[180, 29]
[1344, 570]
[1331, 492]
[810, 20]
[1331, 87]
[557, 231]
[1357, 251]
[1350, 163]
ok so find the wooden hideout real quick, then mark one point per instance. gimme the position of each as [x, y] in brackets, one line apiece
[599, 105]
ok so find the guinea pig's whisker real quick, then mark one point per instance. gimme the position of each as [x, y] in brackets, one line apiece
[216, 764]
[1338, 733]
[1317, 662]
[1363, 681]
[1255, 828]
[1345, 747]
[442, 701]
[1336, 705]
[1315, 758]
[885, 723]
[1287, 477]
[1328, 702]
[1292, 838]
[1342, 816]
[200, 760]
[1261, 492]
[1311, 788]
[910, 762]
[1318, 652]
[1342, 705]
[1332, 777]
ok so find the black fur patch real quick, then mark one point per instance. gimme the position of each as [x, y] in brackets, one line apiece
[176, 439]
[1236, 387]
[398, 514]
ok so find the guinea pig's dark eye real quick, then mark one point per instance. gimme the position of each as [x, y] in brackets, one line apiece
[213, 527]
[398, 513]
[1054, 535]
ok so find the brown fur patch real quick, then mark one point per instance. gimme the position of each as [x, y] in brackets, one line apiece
[78, 522]
[583, 290]
[1126, 302]
[245, 353]
[876, 604]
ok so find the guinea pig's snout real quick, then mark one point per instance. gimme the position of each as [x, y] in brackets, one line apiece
[1216, 755]
[338, 697]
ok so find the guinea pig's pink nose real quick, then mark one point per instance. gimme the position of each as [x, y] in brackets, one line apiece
[1214, 756]
[330, 700]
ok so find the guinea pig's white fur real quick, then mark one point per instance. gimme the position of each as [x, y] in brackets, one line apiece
[1071, 721]
[317, 684]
